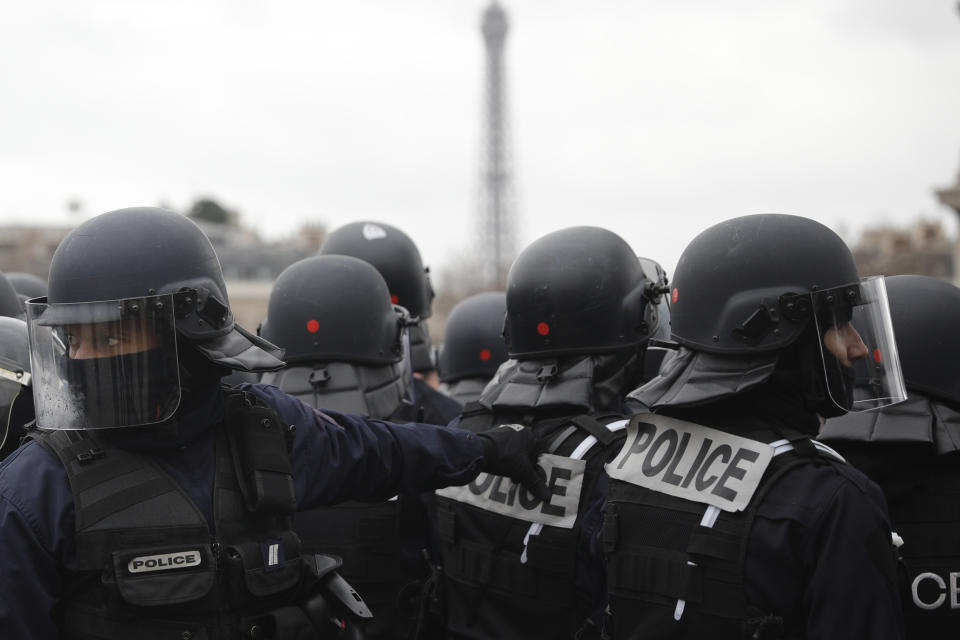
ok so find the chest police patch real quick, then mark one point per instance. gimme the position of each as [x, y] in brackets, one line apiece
[504, 496]
[691, 461]
[164, 561]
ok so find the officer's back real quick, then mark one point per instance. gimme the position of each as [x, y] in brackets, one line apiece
[579, 311]
[724, 519]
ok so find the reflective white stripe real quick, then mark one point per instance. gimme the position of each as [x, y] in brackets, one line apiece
[827, 449]
[577, 454]
[708, 520]
[619, 425]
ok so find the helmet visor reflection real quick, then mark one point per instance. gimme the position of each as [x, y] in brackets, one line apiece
[105, 364]
[857, 345]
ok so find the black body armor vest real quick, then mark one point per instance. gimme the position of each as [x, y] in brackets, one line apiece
[923, 494]
[506, 574]
[674, 569]
[380, 545]
[150, 567]
[912, 451]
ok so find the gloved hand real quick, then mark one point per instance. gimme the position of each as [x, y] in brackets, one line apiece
[512, 450]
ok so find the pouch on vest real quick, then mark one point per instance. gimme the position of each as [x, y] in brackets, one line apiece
[153, 576]
[260, 455]
[262, 568]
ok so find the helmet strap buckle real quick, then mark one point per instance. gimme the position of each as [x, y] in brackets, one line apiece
[547, 372]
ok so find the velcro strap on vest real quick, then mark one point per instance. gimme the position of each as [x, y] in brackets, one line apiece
[711, 543]
[549, 557]
[446, 523]
[594, 428]
[671, 577]
[611, 529]
[479, 567]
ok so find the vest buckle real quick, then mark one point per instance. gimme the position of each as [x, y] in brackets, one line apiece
[94, 453]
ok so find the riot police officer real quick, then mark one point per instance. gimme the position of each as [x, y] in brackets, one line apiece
[724, 518]
[153, 503]
[912, 450]
[579, 313]
[473, 346]
[10, 303]
[398, 260]
[16, 398]
[347, 351]
[27, 285]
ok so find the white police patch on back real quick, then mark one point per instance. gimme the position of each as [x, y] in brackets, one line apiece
[690, 461]
[502, 495]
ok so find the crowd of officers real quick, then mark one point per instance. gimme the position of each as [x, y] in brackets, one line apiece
[763, 445]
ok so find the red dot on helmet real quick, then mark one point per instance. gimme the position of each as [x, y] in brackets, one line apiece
[313, 326]
[543, 328]
[485, 354]
[675, 295]
[394, 299]
[877, 355]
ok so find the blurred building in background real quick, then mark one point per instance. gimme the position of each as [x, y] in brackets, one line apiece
[923, 248]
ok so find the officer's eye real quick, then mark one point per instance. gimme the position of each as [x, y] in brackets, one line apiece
[110, 341]
[69, 339]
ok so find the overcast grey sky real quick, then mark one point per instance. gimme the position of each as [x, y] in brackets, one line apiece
[654, 118]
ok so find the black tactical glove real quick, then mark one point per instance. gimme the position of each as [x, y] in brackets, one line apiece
[512, 450]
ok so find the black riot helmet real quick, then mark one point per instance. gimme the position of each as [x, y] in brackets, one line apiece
[756, 284]
[473, 345]
[27, 285]
[11, 306]
[924, 311]
[125, 288]
[333, 307]
[393, 254]
[398, 260]
[579, 290]
[16, 400]
[346, 343]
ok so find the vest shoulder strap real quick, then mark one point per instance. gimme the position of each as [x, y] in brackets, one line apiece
[118, 496]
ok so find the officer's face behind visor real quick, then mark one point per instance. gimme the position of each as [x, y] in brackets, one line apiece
[103, 365]
[858, 347]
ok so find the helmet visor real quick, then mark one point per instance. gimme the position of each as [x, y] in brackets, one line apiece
[857, 345]
[102, 365]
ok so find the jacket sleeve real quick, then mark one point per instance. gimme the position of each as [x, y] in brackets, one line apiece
[837, 551]
[339, 457]
[36, 507]
[852, 591]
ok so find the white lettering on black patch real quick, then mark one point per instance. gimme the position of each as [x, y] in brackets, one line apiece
[691, 461]
[502, 495]
[164, 561]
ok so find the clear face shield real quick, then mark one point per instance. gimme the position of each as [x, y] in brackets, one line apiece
[103, 365]
[857, 345]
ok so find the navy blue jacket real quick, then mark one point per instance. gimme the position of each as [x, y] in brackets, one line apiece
[335, 457]
[819, 553]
